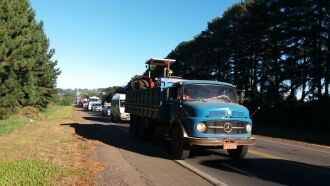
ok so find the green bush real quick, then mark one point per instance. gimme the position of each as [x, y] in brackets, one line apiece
[5, 113]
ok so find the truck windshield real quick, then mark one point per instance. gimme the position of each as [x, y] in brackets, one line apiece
[122, 103]
[209, 92]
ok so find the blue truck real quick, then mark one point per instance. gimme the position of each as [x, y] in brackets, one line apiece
[190, 113]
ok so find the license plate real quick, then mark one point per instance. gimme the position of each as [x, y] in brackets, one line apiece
[229, 145]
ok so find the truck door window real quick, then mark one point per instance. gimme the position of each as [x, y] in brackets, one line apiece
[179, 93]
[173, 93]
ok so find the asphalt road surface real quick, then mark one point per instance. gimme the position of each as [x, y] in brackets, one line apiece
[269, 162]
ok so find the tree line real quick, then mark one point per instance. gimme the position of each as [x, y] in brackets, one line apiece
[277, 51]
[27, 72]
[274, 50]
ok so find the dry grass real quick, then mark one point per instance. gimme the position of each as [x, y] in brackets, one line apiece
[52, 143]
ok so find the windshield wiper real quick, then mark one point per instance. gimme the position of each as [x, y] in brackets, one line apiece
[224, 98]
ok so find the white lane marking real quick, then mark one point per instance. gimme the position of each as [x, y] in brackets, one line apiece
[281, 143]
[193, 169]
[202, 174]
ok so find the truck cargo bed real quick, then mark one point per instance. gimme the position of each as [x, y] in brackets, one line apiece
[145, 103]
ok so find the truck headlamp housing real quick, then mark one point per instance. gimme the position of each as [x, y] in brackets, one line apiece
[200, 127]
[248, 128]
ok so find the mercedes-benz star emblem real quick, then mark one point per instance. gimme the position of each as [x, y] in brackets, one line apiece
[227, 127]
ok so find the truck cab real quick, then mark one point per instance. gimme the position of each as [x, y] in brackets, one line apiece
[92, 100]
[207, 113]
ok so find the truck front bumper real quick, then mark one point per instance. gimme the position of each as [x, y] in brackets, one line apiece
[219, 141]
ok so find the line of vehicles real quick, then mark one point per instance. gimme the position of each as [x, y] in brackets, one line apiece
[115, 109]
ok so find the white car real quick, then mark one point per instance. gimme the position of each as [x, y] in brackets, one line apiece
[96, 107]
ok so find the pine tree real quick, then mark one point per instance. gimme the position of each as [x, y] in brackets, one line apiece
[27, 73]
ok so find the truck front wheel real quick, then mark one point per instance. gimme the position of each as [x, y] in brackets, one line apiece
[178, 146]
[238, 153]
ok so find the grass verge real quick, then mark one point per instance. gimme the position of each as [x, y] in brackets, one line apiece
[9, 125]
[45, 151]
[28, 172]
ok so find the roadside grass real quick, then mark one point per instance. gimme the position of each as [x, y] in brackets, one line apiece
[45, 152]
[303, 136]
[49, 112]
[9, 125]
[28, 172]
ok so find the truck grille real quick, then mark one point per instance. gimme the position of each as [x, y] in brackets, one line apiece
[225, 127]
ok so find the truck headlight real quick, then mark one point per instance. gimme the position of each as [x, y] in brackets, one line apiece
[248, 128]
[200, 127]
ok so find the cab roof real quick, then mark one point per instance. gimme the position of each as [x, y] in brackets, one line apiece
[160, 62]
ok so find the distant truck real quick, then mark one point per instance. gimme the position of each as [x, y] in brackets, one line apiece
[91, 101]
[118, 108]
[192, 113]
[84, 103]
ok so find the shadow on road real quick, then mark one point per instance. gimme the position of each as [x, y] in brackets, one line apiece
[114, 136]
[195, 153]
[99, 119]
[110, 134]
[274, 170]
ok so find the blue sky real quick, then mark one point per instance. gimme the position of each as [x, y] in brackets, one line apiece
[103, 43]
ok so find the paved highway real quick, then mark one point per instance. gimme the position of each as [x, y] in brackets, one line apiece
[269, 162]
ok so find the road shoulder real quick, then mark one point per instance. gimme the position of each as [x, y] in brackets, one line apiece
[300, 144]
[129, 161]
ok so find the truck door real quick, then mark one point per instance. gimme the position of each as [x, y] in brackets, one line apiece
[168, 95]
[175, 98]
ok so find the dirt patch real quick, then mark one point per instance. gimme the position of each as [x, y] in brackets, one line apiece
[29, 111]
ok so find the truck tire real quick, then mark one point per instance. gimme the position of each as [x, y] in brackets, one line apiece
[178, 146]
[157, 133]
[141, 129]
[238, 153]
[118, 119]
[133, 125]
[111, 117]
[114, 119]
